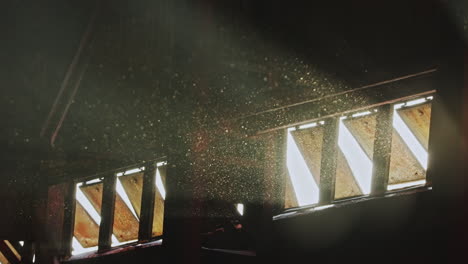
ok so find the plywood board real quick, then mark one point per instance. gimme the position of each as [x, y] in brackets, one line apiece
[125, 224]
[309, 142]
[418, 120]
[345, 185]
[94, 194]
[290, 199]
[363, 130]
[404, 166]
[86, 230]
[133, 185]
[158, 219]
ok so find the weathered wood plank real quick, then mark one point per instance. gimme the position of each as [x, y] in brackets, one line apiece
[403, 165]
[86, 230]
[125, 226]
[418, 120]
[9, 252]
[363, 130]
[133, 185]
[158, 214]
[93, 193]
[310, 141]
[346, 185]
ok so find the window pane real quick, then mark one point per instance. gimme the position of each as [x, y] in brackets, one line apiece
[354, 161]
[86, 230]
[303, 163]
[133, 186]
[409, 147]
[125, 218]
[87, 217]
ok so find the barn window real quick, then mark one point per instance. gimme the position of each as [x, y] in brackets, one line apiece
[137, 199]
[352, 137]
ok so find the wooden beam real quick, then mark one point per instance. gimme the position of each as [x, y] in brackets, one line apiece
[328, 162]
[382, 150]
[9, 252]
[69, 219]
[147, 202]
[345, 102]
[107, 212]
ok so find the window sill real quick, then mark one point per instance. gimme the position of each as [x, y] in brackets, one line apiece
[115, 250]
[312, 209]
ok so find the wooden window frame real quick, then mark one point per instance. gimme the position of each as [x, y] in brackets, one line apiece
[108, 207]
[382, 96]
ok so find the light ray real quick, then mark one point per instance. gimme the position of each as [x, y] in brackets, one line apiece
[360, 164]
[305, 187]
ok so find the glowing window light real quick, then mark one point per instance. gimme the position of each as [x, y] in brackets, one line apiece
[362, 114]
[130, 171]
[415, 102]
[121, 191]
[161, 163]
[89, 208]
[398, 106]
[21, 243]
[360, 164]
[160, 185]
[94, 181]
[308, 125]
[81, 198]
[405, 184]
[305, 187]
[416, 148]
[135, 170]
[240, 208]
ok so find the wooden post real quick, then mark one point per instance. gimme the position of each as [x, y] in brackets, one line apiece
[278, 168]
[69, 218]
[382, 150]
[107, 213]
[328, 163]
[147, 203]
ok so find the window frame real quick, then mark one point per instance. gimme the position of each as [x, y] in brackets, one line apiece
[330, 201]
[108, 203]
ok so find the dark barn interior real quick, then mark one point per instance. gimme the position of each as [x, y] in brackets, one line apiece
[201, 131]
